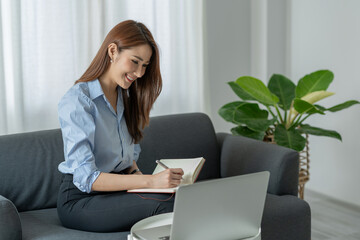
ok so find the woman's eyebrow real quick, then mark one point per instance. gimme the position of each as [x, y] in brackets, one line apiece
[140, 58]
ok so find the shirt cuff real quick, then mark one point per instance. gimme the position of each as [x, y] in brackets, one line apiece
[89, 182]
[92, 178]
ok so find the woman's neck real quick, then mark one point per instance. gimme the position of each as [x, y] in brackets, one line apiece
[109, 87]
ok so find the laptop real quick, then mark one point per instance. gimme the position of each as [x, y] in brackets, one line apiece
[227, 208]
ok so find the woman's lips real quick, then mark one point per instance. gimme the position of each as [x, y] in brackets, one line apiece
[129, 79]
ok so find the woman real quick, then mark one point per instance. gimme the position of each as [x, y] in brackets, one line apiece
[101, 119]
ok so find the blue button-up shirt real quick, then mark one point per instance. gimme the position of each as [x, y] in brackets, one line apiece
[96, 138]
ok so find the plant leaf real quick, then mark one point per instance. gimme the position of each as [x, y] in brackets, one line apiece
[228, 111]
[343, 105]
[246, 113]
[240, 92]
[257, 89]
[321, 108]
[319, 131]
[253, 117]
[289, 138]
[316, 81]
[246, 132]
[302, 106]
[316, 96]
[283, 88]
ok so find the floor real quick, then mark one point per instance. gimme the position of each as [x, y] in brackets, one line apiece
[332, 219]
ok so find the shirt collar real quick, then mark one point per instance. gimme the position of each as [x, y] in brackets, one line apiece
[95, 89]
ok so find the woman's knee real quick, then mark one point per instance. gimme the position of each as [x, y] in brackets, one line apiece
[164, 207]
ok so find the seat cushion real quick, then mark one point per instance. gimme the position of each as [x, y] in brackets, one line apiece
[45, 225]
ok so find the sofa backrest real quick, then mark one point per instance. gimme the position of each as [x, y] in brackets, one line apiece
[29, 161]
[28, 168]
[181, 136]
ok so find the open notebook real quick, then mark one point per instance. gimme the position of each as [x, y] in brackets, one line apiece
[190, 166]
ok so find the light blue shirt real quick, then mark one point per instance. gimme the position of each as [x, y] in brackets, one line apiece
[96, 138]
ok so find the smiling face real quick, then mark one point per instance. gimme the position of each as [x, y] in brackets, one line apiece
[128, 65]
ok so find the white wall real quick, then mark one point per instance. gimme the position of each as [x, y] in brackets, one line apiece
[227, 50]
[301, 36]
[325, 34]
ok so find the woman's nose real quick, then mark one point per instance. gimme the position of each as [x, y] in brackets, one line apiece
[139, 72]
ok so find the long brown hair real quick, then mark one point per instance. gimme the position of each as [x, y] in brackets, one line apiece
[141, 95]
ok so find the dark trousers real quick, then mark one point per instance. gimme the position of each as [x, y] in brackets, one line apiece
[107, 211]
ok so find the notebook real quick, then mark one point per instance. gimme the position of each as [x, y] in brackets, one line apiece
[190, 166]
[227, 208]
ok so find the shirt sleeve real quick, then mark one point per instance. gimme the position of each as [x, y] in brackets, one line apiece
[137, 150]
[78, 132]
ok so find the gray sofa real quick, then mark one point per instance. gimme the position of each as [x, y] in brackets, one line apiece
[29, 179]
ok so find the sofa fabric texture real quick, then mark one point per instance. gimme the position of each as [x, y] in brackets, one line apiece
[29, 179]
[247, 159]
[28, 168]
[10, 224]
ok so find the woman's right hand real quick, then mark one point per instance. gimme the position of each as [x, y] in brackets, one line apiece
[168, 178]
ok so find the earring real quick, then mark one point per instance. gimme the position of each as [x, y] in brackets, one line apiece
[111, 60]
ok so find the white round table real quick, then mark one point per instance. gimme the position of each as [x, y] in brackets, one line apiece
[165, 219]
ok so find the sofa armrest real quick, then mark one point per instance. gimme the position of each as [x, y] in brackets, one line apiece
[286, 217]
[10, 225]
[241, 155]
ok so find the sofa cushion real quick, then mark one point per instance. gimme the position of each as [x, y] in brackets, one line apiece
[45, 225]
[28, 168]
[181, 136]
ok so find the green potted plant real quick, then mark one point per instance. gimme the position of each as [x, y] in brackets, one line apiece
[285, 107]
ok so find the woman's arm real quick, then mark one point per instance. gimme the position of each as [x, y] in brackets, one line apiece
[168, 178]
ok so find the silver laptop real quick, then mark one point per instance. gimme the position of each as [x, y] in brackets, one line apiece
[227, 208]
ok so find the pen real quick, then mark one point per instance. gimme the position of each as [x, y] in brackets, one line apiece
[163, 165]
